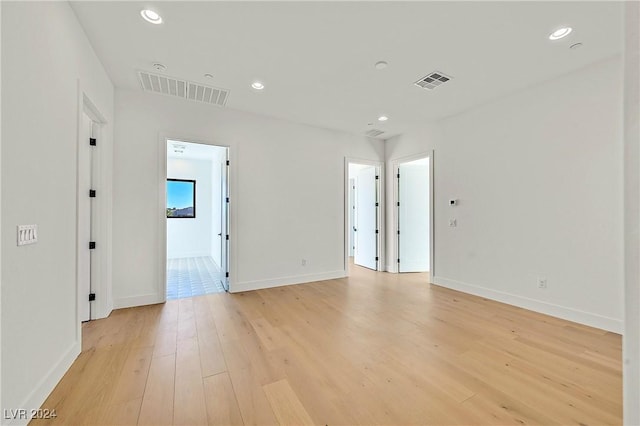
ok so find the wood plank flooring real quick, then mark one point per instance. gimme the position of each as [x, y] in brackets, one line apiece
[371, 349]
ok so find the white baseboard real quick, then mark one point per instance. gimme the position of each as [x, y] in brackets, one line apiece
[278, 282]
[570, 314]
[42, 390]
[145, 299]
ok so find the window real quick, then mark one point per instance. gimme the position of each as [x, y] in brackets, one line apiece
[181, 199]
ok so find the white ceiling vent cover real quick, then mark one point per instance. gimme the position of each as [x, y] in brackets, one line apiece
[171, 86]
[374, 133]
[433, 80]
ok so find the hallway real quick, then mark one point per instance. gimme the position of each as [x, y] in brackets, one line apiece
[192, 276]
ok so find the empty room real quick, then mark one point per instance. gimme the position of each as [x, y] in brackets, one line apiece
[320, 212]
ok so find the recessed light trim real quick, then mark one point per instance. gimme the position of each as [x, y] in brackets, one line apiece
[160, 67]
[383, 118]
[257, 85]
[151, 16]
[560, 33]
[207, 75]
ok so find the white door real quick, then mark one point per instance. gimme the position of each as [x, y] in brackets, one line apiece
[224, 225]
[366, 252]
[84, 219]
[413, 216]
[352, 217]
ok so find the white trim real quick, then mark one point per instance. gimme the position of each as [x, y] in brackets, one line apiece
[102, 286]
[279, 282]
[381, 211]
[142, 300]
[395, 164]
[232, 156]
[46, 385]
[570, 314]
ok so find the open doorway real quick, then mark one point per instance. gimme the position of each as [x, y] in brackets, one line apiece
[414, 213]
[364, 214]
[197, 219]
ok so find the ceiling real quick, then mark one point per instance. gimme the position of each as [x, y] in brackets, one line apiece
[317, 59]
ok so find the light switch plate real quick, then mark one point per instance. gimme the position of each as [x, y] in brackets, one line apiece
[27, 234]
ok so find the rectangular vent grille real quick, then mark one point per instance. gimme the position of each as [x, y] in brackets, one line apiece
[373, 133]
[171, 86]
[433, 80]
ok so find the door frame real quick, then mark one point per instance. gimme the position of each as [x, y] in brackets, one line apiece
[164, 139]
[395, 164]
[381, 210]
[102, 287]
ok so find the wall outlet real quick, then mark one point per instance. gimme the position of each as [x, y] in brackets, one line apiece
[542, 282]
[27, 234]
[453, 223]
[304, 262]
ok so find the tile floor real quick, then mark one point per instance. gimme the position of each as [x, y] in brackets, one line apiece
[192, 276]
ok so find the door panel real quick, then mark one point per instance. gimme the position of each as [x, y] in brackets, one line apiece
[413, 217]
[366, 219]
[224, 226]
[84, 219]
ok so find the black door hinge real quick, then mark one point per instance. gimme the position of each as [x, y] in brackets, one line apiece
[398, 203]
[398, 260]
[93, 142]
[398, 232]
[227, 199]
[377, 177]
[92, 245]
[377, 231]
[377, 205]
[92, 297]
[227, 237]
[226, 275]
[376, 258]
[227, 162]
[92, 193]
[398, 175]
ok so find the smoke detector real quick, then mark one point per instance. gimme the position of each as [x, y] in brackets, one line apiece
[433, 80]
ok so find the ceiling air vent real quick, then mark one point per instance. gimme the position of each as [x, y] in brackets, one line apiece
[171, 86]
[374, 133]
[433, 80]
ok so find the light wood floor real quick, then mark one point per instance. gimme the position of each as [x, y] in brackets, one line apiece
[372, 349]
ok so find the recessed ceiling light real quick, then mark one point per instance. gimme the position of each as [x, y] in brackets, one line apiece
[207, 75]
[159, 66]
[380, 65]
[151, 16]
[257, 85]
[560, 33]
[383, 118]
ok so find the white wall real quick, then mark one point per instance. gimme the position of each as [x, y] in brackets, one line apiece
[631, 340]
[287, 193]
[539, 177]
[44, 56]
[1, 404]
[192, 237]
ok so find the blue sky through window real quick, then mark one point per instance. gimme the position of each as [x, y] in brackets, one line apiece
[179, 194]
